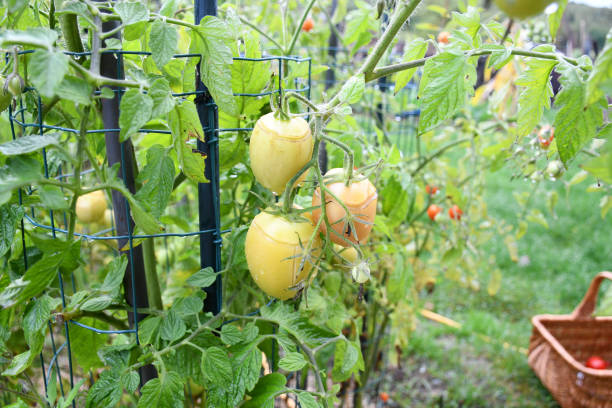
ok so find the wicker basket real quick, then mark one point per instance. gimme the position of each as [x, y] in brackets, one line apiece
[559, 346]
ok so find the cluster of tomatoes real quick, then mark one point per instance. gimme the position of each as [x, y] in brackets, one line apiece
[454, 212]
[280, 247]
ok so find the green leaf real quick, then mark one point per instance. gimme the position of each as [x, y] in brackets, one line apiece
[115, 270]
[78, 8]
[36, 279]
[18, 171]
[135, 111]
[600, 80]
[352, 90]
[346, 359]
[185, 125]
[36, 317]
[307, 400]
[28, 144]
[209, 41]
[20, 362]
[132, 12]
[148, 330]
[470, 21]
[163, 40]
[85, 343]
[216, 366]
[33, 36]
[297, 325]
[414, 50]
[399, 281]
[163, 392]
[447, 81]
[106, 391]
[292, 362]
[130, 381]
[72, 394]
[358, 23]
[10, 215]
[535, 95]
[203, 278]
[47, 70]
[163, 102]
[76, 90]
[554, 19]
[187, 306]
[172, 327]
[574, 124]
[231, 335]
[157, 180]
[53, 198]
[263, 393]
[97, 303]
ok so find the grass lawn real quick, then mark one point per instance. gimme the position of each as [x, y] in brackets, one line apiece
[459, 369]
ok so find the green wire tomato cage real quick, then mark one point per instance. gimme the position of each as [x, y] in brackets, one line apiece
[55, 222]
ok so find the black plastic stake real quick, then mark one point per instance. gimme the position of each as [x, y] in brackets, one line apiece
[208, 193]
[123, 153]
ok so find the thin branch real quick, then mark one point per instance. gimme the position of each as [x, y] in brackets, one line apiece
[298, 28]
[260, 31]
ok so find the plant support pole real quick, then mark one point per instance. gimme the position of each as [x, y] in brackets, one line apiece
[208, 193]
[123, 153]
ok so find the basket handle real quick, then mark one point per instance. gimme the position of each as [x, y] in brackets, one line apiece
[586, 308]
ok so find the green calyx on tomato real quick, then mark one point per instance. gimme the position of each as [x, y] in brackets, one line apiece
[522, 8]
[278, 150]
[275, 255]
[359, 198]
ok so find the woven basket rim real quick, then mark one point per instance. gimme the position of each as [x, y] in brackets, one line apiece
[552, 340]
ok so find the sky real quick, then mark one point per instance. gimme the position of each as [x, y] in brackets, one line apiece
[595, 3]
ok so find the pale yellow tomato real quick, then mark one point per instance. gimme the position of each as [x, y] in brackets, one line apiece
[278, 150]
[274, 250]
[360, 199]
[90, 207]
[522, 8]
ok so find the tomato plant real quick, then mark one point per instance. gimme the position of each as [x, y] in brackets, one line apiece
[345, 253]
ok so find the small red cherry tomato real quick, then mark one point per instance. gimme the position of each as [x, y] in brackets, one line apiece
[308, 25]
[433, 211]
[597, 363]
[431, 189]
[384, 396]
[455, 212]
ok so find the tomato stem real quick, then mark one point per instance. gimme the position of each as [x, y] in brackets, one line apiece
[350, 158]
[298, 27]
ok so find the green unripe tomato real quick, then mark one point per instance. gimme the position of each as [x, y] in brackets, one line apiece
[522, 8]
[14, 84]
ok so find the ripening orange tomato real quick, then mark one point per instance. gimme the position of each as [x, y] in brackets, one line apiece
[443, 37]
[308, 24]
[359, 197]
[433, 211]
[455, 212]
[274, 249]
